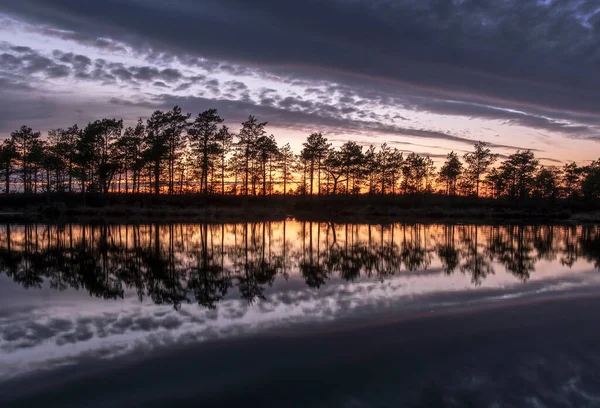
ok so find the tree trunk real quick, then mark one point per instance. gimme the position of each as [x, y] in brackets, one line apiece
[312, 170]
[246, 169]
[304, 180]
[347, 181]
[284, 183]
[319, 176]
[205, 167]
[7, 181]
[70, 177]
[181, 182]
[157, 177]
[264, 178]
[270, 177]
[223, 175]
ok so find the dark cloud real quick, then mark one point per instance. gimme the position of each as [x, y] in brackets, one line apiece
[213, 86]
[551, 160]
[527, 52]
[145, 73]
[58, 71]
[14, 85]
[21, 49]
[237, 111]
[25, 62]
[170, 75]
[33, 333]
[9, 61]
[122, 73]
[236, 70]
[197, 78]
[295, 102]
[12, 115]
[78, 62]
[183, 87]
[236, 85]
[506, 115]
[148, 73]
[53, 110]
[85, 39]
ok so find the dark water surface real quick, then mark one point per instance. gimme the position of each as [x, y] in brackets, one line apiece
[294, 313]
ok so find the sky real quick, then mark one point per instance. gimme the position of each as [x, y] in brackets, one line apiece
[428, 76]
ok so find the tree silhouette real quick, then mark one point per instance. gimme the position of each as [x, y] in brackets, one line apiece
[547, 183]
[352, 161]
[266, 153]
[251, 131]
[450, 172]
[287, 164]
[571, 179]
[101, 161]
[314, 152]
[478, 163]
[131, 147]
[590, 186]
[519, 171]
[168, 154]
[26, 142]
[8, 161]
[203, 134]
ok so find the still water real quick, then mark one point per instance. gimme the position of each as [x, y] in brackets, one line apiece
[296, 313]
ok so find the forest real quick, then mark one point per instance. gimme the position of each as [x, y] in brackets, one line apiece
[172, 153]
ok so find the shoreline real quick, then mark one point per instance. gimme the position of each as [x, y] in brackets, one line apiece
[216, 208]
[233, 215]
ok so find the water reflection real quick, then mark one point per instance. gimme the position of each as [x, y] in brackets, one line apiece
[204, 263]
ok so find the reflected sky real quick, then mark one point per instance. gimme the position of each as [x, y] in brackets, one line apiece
[73, 292]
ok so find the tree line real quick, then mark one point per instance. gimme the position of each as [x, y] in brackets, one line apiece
[173, 153]
[176, 264]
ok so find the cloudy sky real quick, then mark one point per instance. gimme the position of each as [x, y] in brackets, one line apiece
[422, 75]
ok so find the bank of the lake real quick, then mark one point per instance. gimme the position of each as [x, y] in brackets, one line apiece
[367, 208]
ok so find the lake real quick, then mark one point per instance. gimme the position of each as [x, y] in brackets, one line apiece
[295, 313]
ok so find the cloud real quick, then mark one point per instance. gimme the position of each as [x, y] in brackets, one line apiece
[540, 54]
[237, 111]
[79, 63]
[358, 63]
[53, 110]
[160, 84]
[14, 85]
[512, 117]
[34, 333]
[551, 160]
[18, 64]
[25, 62]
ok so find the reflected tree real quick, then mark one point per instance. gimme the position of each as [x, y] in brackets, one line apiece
[207, 263]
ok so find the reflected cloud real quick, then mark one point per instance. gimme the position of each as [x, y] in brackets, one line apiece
[258, 277]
